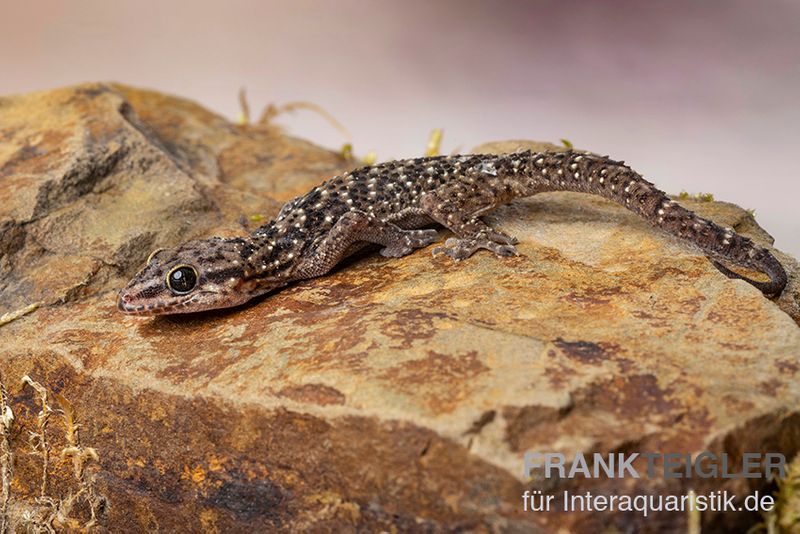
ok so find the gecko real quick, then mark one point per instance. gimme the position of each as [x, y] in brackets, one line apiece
[394, 205]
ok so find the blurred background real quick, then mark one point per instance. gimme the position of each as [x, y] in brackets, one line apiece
[698, 96]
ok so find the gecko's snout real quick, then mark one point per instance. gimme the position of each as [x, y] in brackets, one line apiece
[124, 302]
[133, 304]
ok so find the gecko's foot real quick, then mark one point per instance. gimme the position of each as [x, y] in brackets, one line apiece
[408, 241]
[500, 237]
[460, 249]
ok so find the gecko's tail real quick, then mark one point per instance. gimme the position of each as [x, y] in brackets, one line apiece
[770, 266]
[722, 245]
[616, 181]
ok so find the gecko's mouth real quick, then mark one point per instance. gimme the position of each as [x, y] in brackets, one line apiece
[126, 304]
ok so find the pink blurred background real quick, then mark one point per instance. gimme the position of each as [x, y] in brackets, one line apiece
[698, 96]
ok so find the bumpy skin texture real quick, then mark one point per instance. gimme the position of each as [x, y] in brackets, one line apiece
[387, 204]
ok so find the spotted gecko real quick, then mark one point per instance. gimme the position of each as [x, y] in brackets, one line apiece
[391, 204]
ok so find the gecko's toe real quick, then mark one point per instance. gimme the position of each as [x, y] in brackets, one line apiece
[423, 238]
[396, 251]
[500, 237]
[453, 253]
[453, 248]
[504, 250]
[460, 249]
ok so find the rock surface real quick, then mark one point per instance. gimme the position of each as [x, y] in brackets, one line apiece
[391, 394]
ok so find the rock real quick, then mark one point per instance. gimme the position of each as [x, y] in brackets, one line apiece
[391, 394]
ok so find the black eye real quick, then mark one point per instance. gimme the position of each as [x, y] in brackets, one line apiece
[182, 279]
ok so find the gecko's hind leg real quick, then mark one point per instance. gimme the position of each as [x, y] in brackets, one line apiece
[358, 226]
[472, 233]
[408, 240]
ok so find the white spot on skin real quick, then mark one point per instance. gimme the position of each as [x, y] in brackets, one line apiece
[488, 168]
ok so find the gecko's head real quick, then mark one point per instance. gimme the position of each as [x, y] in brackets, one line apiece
[196, 276]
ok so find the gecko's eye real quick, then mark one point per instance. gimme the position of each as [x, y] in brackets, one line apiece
[182, 279]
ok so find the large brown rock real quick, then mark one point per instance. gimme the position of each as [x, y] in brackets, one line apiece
[391, 394]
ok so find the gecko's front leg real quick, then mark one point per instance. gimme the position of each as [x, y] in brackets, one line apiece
[354, 227]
